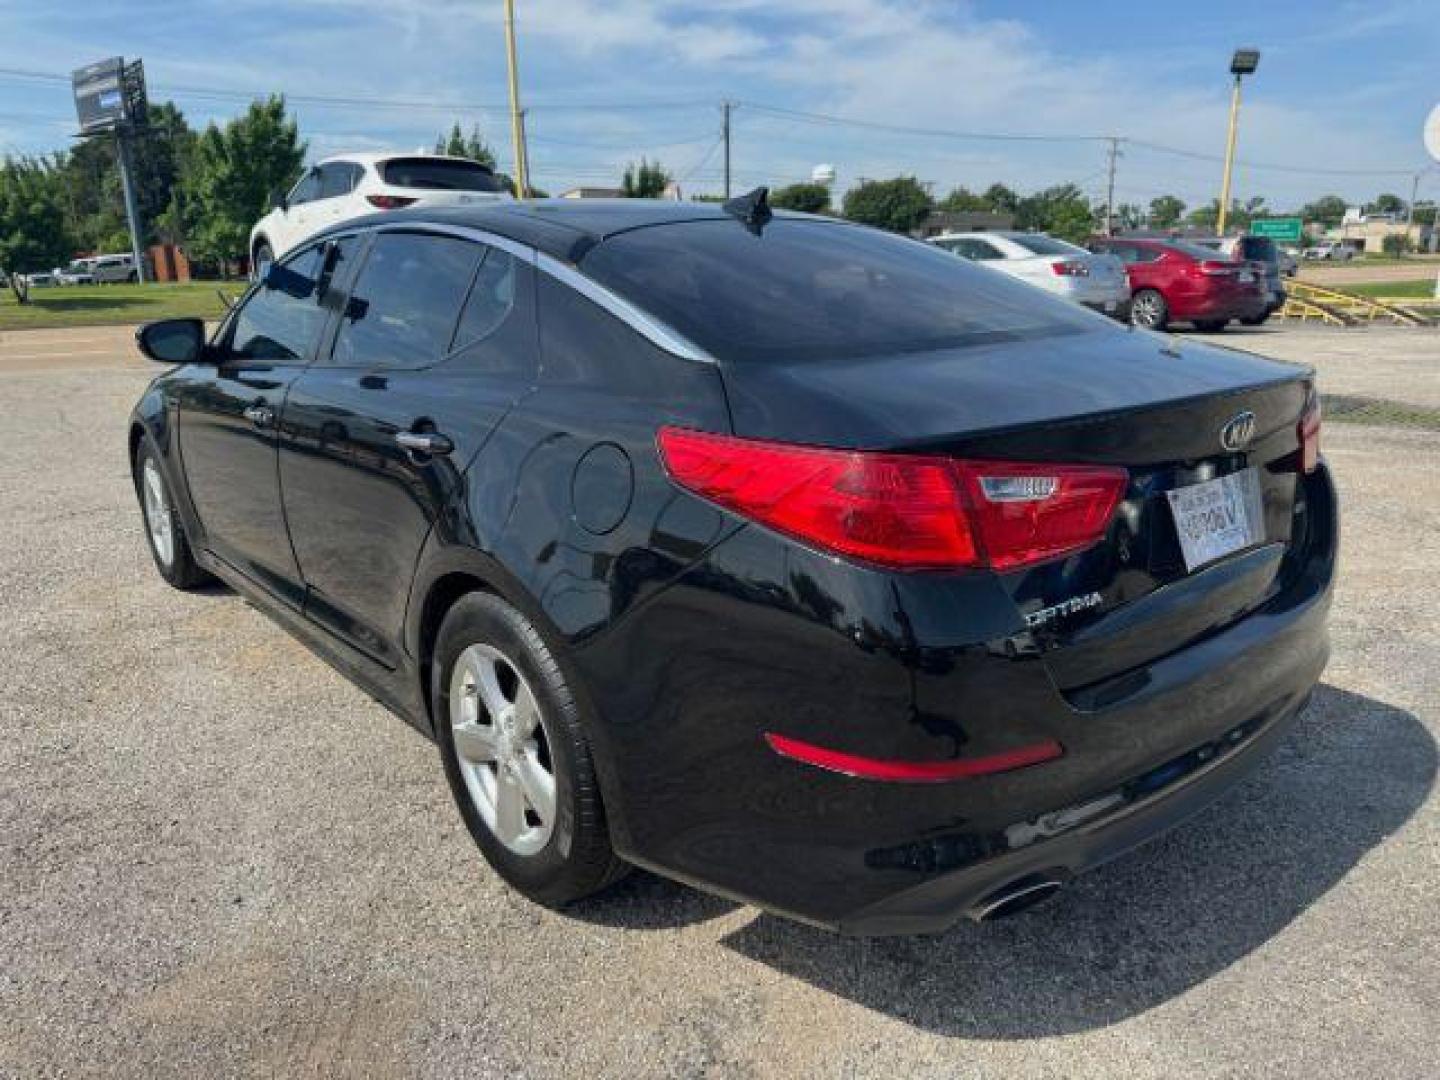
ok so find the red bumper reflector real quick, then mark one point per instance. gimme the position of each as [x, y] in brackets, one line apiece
[913, 772]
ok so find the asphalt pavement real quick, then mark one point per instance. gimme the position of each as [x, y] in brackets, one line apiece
[218, 858]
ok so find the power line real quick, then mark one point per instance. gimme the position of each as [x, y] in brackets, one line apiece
[905, 129]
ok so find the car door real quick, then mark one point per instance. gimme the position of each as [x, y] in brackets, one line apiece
[295, 220]
[227, 422]
[332, 205]
[435, 341]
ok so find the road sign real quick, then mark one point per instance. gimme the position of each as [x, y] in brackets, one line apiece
[1280, 228]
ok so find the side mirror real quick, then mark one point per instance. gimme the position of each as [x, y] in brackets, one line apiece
[172, 341]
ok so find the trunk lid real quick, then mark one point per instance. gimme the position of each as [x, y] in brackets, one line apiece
[1130, 398]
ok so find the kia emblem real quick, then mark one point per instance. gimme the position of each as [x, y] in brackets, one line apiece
[1238, 431]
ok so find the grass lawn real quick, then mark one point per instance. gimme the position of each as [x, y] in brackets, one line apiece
[1418, 289]
[97, 305]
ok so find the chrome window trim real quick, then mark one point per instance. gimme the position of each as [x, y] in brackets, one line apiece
[643, 323]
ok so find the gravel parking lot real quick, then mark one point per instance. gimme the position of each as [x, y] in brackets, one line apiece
[219, 858]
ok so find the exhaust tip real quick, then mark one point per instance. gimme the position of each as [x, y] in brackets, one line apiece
[1017, 896]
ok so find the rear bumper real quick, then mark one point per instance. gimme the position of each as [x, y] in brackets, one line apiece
[874, 664]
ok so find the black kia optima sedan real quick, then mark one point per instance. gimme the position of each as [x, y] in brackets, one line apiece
[798, 561]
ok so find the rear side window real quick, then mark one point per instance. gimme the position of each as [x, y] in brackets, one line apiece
[491, 297]
[1259, 248]
[439, 174]
[404, 304]
[1194, 251]
[1037, 244]
[817, 290]
[279, 320]
[338, 178]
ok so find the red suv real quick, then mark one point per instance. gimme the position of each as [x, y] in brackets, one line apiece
[1176, 281]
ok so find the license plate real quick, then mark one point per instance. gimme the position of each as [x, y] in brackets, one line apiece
[1246, 277]
[1218, 517]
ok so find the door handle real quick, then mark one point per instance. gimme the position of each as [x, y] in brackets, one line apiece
[260, 414]
[424, 442]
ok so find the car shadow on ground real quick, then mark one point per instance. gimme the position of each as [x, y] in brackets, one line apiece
[50, 302]
[1131, 935]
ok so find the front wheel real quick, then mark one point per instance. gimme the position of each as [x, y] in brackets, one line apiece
[169, 546]
[517, 755]
[1148, 309]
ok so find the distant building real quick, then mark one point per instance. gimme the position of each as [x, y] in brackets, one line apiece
[593, 193]
[952, 221]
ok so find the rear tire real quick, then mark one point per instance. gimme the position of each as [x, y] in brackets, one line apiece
[516, 754]
[1211, 326]
[1149, 310]
[169, 546]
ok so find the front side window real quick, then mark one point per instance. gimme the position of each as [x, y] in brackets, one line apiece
[307, 189]
[279, 320]
[335, 180]
[403, 308]
[818, 290]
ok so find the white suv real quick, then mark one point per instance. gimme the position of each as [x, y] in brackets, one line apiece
[352, 185]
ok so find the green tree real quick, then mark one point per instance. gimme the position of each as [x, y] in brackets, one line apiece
[1002, 199]
[1397, 244]
[1166, 211]
[1062, 211]
[1328, 210]
[235, 171]
[32, 222]
[962, 201]
[1388, 204]
[899, 205]
[472, 146]
[1129, 216]
[647, 180]
[807, 198]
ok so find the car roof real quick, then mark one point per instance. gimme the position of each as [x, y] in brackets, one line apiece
[563, 228]
[374, 157]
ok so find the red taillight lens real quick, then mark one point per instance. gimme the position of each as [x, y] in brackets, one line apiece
[1310, 437]
[1029, 513]
[905, 511]
[914, 772]
[1213, 268]
[893, 509]
[389, 202]
[1070, 269]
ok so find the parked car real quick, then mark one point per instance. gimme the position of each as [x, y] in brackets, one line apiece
[794, 559]
[1289, 261]
[1264, 256]
[41, 280]
[1178, 281]
[348, 186]
[113, 269]
[78, 272]
[1329, 251]
[1097, 281]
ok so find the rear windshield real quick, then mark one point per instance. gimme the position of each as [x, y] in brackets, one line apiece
[1037, 244]
[1259, 248]
[439, 175]
[1195, 251]
[816, 290]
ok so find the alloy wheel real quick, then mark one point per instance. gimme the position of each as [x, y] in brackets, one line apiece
[502, 746]
[159, 518]
[1145, 309]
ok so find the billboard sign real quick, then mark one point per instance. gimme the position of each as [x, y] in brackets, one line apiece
[100, 95]
[1280, 228]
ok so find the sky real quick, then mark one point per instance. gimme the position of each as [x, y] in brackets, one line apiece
[1337, 105]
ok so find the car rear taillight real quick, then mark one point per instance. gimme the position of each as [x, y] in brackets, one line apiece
[389, 202]
[1309, 431]
[906, 511]
[1070, 269]
[1213, 268]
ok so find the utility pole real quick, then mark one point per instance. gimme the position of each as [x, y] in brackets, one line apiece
[1243, 63]
[1110, 188]
[517, 115]
[725, 107]
[132, 212]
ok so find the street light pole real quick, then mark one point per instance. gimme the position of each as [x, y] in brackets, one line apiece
[1244, 62]
[517, 116]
